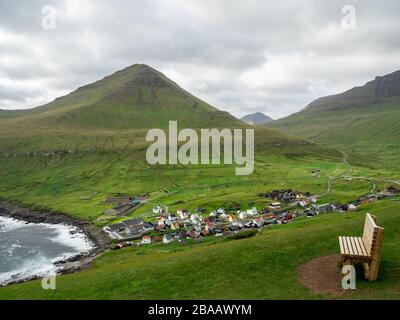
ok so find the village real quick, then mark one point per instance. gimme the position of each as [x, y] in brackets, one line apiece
[184, 225]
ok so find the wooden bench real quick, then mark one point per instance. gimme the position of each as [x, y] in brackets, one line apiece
[365, 249]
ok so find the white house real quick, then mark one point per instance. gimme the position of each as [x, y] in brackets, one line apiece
[213, 214]
[167, 238]
[162, 221]
[242, 215]
[223, 216]
[252, 211]
[157, 209]
[183, 214]
[195, 218]
[146, 240]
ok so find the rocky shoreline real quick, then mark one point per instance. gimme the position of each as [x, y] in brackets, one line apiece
[75, 263]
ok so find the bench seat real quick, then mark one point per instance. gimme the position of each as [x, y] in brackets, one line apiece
[354, 248]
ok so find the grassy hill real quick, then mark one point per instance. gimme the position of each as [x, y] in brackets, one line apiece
[129, 98]
[364, 120]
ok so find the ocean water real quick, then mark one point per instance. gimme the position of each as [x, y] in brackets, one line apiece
[28, 249]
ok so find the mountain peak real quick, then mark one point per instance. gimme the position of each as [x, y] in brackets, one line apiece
[135, 97]
[257, 118]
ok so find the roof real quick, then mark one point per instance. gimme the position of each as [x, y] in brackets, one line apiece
[116, 226]
[133, 221]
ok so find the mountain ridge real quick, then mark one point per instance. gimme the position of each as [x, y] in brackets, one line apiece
[365, 119]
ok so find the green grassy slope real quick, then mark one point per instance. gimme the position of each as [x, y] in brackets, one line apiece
[362, 120]
[262, 267]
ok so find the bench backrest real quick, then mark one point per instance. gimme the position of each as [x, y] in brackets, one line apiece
[372, 236]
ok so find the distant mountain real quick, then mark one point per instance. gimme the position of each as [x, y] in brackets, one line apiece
[257, 118]
[365, 118]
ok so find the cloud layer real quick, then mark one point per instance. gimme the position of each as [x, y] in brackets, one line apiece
[240, 56]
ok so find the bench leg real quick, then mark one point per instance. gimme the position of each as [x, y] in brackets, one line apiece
[366, 270]
[373, 270]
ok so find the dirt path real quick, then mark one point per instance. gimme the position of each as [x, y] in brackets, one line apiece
[322, 276]
[348, 173]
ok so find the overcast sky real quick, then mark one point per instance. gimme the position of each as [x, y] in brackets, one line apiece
[240, 56]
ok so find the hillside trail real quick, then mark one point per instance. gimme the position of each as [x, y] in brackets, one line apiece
[347, 176]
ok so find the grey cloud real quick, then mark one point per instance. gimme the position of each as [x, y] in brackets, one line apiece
[242, 56]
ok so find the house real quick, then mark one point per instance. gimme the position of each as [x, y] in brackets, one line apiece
[258, 222]
[242, 215]
[167, 238]
[210, 226]
[159, 227]
[233, 227]
[238, 224]
[175, 225]
[172, 217]
[200, 210]
[222, 217]
[146, 240]
[221, 210]
[213, 213]
[157, 209]
[252, 212]
[117, 230]
[275, 205]
[247, 223]
[182, 235]
[162, 221]
[195, 218]
[324, 208]
[148, 226]
[232, 217]
[194, 234]
[204, 233]
[313, 199]
[303, 203]
[183, 214]
[136, 226]
[316, 173]
[197, 228]
[209, 219]
[351, 207]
